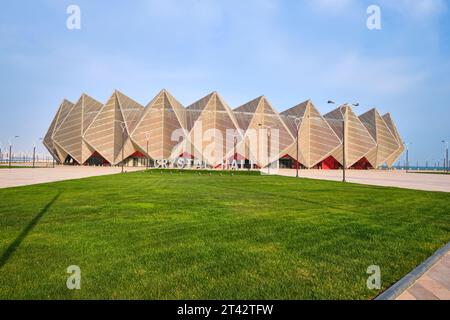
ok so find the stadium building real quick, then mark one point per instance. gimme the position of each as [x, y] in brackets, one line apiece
[211, 133]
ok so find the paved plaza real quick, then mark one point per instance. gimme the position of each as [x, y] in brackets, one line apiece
[433, 284]
[28, 176]
[391, 178]
[401, 179]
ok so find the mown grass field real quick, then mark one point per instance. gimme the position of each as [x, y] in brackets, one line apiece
[153, 235]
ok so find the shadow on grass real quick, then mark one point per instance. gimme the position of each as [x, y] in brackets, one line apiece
[16, 243]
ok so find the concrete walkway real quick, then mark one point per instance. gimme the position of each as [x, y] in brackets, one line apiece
[394, 178]
[433, 284]
[27, 176]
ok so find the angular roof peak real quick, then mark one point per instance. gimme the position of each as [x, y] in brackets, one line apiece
[368, 112]
[250, 106]
[202, 103]
[117, 92]
[297, 110]
[85, 95]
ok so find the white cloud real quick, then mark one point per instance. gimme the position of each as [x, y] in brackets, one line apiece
[384, 76]
[333, 7]
[420, 9]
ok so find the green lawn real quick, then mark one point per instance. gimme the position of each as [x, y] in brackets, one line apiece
[153, 235]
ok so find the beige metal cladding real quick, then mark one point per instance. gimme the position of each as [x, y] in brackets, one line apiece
[316, 138]
[255, 116]
[203, 130]
[48, 142]
[131, 113]
[211, 124]
[62, 117]
[396, 154]
[105, 133]
[69, 134]
[358, 141]
[163, 116]
[386, 142]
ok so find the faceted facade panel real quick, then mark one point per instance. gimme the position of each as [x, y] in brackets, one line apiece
[161, 127]
[69, 135]
[358, 141]
[109, 131]
[387, 144]
[48, 141]
[260, 123]
[131, 113]
[316, 139]
[93, 133]
[212, 128]
[393, 128]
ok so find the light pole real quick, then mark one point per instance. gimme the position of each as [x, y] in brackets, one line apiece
[407, 155]
[344, 120]
[34, 153]
[298, 122]
[123, 125]
[426, 164]
[147, 137]
[123, 140]
[268, 145]
[10, 149]
[234, 149]
[446, 155]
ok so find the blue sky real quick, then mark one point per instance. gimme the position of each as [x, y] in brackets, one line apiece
[289, 51]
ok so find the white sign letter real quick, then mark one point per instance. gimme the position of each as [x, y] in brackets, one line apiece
[74, 20]
[74, 280]
[374, 19]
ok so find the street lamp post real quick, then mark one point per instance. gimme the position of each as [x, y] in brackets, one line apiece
[407, 156]
[34, 153]
[123, 126]
[10, 150]
[446, 155]
[234, 149]
[123, 141]
[297, 127]
[269, 134]
[344, 160]
[344, 120]
[147, 137]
